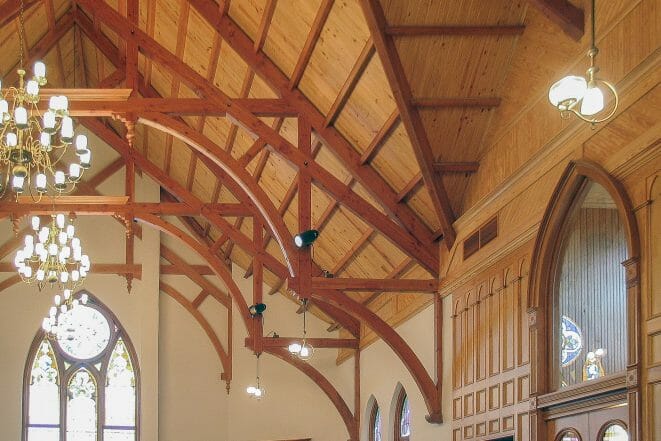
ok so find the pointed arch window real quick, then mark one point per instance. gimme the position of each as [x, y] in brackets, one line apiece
[82, 386]
[403, 417]
[375, 423]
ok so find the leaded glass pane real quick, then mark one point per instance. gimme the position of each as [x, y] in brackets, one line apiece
[86, 332]
[591, 313]
[43, 434]
[377, 425]
[81, 407]
[44, 391]
[120, 388]
[118, 435]
[615, 432]
[405, 424]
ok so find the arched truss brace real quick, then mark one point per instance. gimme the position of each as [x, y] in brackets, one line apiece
[408, 357]
[320, 380]
[430, 392]
[231, 167]
[223, 356]
[223, 272]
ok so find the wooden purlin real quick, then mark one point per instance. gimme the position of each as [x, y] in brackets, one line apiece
[371, 180]
[11, 9]
[392, 65]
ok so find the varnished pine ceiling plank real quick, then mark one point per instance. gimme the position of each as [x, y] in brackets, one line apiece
[392, 65]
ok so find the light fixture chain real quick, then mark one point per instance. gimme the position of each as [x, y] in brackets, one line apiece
[21, 32]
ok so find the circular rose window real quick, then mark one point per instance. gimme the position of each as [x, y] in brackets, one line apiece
[615, 432]
[86, 332]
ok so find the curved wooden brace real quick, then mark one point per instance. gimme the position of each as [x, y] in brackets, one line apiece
[320, 380]
[224, 160]
[214, 262]
[215, 341]
[121, 146]
[415, 367]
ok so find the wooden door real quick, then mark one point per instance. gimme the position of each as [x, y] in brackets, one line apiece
[591, 426]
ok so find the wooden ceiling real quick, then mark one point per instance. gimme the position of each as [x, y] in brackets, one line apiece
[399, 95]
[364, 119]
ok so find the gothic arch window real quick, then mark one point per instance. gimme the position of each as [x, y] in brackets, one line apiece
[375, 423]
[402, 417]
[590, 298]
[83, 385]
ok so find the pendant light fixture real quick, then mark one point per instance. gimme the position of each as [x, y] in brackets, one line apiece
[583, 96]
[257, 391]
[302, 350]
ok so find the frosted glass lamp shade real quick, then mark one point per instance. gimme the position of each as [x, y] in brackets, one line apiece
[39, 69]
[593, 101]
[568, 90]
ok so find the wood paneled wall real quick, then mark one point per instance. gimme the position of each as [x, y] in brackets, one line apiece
[491, 352]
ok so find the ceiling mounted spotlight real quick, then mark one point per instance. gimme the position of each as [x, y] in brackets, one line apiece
[257, 309]
[306, 238]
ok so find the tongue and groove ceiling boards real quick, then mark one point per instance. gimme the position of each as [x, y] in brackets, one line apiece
[379, 110]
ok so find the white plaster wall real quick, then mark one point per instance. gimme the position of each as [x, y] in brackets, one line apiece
[381, 371]
[24, 307]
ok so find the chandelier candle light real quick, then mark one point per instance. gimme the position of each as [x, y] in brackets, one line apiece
[52, 255]
[582, 96]
[62, 304]
[33, 146]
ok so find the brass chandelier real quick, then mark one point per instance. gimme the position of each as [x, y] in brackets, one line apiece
[52, 255]
[583, 96]
[33, 146]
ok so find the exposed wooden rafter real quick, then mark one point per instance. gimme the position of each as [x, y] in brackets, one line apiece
[367, 176]
[385, 47]
[570, 18]
[428, 256]
[310, 42]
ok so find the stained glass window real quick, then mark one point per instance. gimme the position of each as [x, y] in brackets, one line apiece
[44, 407]
[91, 372]
[81, 407]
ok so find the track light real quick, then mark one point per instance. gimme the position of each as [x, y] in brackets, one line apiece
[257, 309]
[306, 238]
